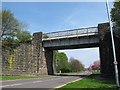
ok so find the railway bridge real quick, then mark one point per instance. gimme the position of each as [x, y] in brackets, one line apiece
[82, 38]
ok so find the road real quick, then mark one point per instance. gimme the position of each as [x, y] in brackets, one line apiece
[40, 83]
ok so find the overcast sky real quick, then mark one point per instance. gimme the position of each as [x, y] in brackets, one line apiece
[49, 17]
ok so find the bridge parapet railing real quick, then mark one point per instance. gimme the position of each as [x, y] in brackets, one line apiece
[74, 32]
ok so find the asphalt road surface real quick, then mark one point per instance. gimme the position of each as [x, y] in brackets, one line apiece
[40, 83]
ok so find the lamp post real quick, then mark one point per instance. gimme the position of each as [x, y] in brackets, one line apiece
[113, 46]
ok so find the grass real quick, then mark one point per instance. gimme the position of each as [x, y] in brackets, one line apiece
[19, 77]
[93, 81]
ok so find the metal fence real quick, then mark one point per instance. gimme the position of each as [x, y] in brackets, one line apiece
[77, 32]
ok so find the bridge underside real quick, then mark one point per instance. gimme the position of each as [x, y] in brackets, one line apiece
[74, 46]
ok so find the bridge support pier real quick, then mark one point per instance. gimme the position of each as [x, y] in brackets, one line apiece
[106, 53]
[37, 52]
[49, 61]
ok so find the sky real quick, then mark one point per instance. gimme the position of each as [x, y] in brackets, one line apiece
[59, 16]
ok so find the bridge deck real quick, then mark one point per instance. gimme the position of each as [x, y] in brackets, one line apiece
[78, 38]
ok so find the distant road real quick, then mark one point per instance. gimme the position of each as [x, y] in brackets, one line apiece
[40, 83]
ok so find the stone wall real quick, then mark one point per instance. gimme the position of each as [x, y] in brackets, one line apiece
[106, 55]
[25, 58]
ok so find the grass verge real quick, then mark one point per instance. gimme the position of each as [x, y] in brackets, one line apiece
[19, 77]
[91, 82]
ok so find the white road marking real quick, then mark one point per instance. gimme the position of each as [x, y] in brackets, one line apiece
[12, 85]
[16, 84]
[20, 84]
[37, 81]
[18, 79]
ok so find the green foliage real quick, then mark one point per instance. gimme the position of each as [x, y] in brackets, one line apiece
[10, 25]
[12, 31]
[23, 36]
[61, 62]
[115, 13]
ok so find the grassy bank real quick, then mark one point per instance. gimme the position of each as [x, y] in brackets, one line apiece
[93, 81]
[19, 77]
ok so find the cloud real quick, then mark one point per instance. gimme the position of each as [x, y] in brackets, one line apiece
[72, 19]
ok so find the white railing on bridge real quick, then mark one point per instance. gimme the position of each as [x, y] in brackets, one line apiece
[74, 32]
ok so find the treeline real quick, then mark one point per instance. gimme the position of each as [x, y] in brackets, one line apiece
[115, 13]
[61, 63]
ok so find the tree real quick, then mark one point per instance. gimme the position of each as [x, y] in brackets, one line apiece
[10, 25]
[95, 65]
[115, 13]
[76, 65]
[61, 62]
[12, 30]
[23, 36]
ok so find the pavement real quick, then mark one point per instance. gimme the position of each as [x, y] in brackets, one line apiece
[41, 83]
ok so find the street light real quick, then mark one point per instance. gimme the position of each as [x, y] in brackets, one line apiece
[113, 46]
